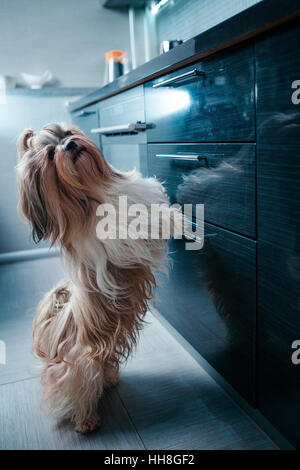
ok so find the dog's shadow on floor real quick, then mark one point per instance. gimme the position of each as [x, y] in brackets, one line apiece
[162, 398]
[171, 403]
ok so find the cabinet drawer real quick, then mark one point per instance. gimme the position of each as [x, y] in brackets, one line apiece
[212, 100]
[87, 119]
[210, 298]
[220, 176]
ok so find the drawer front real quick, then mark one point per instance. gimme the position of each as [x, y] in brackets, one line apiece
[119, 111]
[87, 119]
[214, 103]
[220, 176]
[210, 299]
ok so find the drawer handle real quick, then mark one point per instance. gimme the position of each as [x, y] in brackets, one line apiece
[183, 76]
[86, 113]
[191, 157]
[121, 129]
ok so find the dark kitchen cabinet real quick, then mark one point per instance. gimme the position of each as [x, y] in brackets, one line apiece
[210, 299]
[225, 132]
[278, 199]
[220, 176]
[212, 100]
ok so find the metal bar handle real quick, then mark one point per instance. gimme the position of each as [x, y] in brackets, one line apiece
[191, 157]
[121, 129]
[183, 76]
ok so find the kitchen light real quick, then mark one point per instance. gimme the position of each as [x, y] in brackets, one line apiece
[156, 7]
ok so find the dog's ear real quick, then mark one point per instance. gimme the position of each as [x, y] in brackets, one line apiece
[32, 207]
[23, 143]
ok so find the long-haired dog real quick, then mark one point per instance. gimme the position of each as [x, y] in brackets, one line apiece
[86, 326]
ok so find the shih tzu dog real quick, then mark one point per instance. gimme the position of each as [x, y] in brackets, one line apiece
[86, 326]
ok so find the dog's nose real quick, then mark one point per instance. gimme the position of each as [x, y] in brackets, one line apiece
[71, 145]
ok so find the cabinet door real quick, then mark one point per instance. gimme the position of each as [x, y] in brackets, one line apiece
[278, 183]
[210, 298]
[210, 101]
[87, 119]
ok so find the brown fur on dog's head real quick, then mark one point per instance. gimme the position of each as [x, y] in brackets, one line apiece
[60, 173]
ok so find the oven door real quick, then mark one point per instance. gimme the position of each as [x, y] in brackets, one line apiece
[123, 130]
[126, 157]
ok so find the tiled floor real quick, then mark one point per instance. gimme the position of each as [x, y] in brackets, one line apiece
[165, 400]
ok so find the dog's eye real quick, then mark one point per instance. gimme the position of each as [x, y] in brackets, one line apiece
[51, 154]
[68, 133]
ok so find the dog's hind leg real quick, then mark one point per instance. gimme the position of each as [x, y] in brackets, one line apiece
[72, 376]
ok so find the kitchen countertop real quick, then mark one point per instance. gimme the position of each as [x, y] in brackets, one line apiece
[48, 91]
[247, 24]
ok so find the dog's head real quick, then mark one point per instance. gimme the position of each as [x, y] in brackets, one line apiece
[60, 173]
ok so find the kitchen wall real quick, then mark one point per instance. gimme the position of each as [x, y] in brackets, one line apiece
[184, 19]
[23, 108]
[68, 37]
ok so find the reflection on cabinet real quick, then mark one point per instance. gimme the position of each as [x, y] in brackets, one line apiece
[278, 197]
[220, 176]
[211, 300]
[212, 100]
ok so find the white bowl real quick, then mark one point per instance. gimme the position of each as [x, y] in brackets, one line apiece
[36, 81]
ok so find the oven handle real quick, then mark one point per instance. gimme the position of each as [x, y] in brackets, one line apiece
[183, 76]
[121, 129]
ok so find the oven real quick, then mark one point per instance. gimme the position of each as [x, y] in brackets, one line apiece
[122, 130]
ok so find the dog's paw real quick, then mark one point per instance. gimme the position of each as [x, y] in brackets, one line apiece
[87, 426]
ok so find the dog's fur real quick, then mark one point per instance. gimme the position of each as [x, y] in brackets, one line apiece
[86, 326]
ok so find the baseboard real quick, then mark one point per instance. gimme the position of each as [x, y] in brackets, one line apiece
[251, 412]
[27, 255]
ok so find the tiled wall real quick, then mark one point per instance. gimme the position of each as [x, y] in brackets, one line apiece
[68, 37]
[187, 18]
